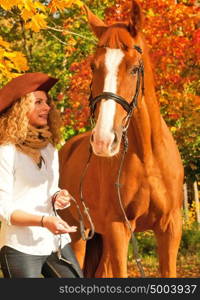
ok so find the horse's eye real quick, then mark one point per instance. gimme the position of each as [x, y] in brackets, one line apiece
[134, 70]
[92, 66]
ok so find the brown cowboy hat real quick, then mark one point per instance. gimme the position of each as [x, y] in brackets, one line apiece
[22, 85]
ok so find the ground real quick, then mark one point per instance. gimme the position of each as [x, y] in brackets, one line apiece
[187, 267]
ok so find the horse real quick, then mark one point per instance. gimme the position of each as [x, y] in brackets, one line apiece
[128, 126]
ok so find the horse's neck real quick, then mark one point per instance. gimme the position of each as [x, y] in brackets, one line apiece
[145, 124]
[145, 130]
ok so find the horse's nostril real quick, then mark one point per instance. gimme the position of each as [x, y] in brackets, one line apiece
[115, 138]
[92, 137]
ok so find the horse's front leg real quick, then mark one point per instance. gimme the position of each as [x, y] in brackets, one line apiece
[113, 262]
[168, 241]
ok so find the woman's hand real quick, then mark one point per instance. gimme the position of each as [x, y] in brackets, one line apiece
[62, 199]
[57, 226]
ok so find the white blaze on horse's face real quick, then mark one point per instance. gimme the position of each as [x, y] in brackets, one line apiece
[104, 138]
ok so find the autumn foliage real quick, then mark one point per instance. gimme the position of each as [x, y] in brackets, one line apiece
[54, 37]
[173, 36]
[172, 31]
[77, 112]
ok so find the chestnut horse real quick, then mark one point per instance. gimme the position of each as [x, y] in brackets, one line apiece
[123, 103]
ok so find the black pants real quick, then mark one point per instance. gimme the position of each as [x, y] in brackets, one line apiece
[16, 264]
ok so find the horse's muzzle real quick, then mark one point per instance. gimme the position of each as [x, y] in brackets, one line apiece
[105, 145]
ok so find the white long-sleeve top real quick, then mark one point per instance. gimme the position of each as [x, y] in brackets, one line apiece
[23, 186]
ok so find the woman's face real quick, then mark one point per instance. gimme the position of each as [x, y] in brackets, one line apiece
[38, 115]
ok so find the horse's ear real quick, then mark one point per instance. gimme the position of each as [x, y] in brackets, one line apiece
[136, 18]
[97, 25]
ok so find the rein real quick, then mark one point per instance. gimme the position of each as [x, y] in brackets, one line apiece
[118, 185]
[86, 209]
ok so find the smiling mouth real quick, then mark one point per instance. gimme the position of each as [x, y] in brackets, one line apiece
[43, 116]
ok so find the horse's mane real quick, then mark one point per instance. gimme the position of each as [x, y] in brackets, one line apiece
[116, 36]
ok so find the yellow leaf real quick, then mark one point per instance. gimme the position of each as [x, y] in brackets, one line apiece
[16, 61]
[37, 22]
[55, 5]
[173, 129]
[4, 44]
[28, 4]
[39, 6]
[79, 3]
[27, 14]
[1, 66]
[71, 2]
[8, 4]
[62, 4]
[9, 64]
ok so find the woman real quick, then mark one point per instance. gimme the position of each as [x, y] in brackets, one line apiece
[33, 239]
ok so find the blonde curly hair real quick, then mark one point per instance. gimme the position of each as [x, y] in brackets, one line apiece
[14, 122]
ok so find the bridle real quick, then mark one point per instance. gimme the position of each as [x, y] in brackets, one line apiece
[129, 108]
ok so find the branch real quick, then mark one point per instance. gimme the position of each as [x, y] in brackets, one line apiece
[71, 32]
[57, 38]
[21, 21]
